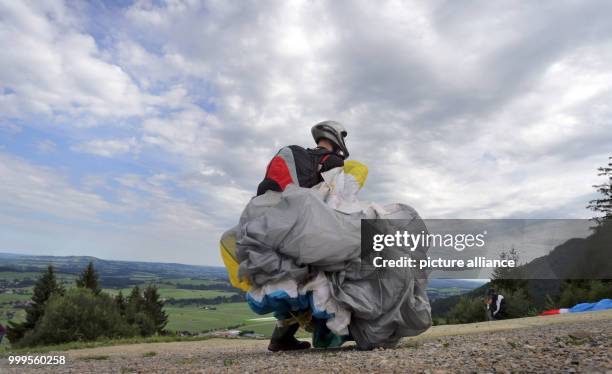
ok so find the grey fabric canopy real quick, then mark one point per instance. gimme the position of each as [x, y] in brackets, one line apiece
[294, 234]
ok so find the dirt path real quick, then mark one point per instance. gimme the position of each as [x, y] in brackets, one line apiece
[568, 343]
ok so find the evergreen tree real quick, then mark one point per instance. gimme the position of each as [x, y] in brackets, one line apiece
[135, 300]
[45, 286]
[121, 303]
[89, 279]
[509, 279]
[154, 307]
[604, 203]
[136, 314]
[133, 305]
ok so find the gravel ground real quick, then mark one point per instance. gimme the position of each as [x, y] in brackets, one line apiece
[567, 343]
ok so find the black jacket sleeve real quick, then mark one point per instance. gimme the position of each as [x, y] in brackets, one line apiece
[333, 161]
[267, 184]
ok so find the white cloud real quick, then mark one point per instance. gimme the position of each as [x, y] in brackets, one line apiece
[108, 148]
[53, 68]
[31, 189]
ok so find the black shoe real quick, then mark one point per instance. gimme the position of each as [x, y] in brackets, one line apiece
[291, 344]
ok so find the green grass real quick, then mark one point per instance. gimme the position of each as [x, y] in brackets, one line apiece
[4, 345]
[19, 276]
[193, 282]
[143, 276]
[195, 319]
[191, 294]
[19, 314]
[168, 292]
[13, 297]
[15, 275]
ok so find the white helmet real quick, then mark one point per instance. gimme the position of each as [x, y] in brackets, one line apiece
[335, 133]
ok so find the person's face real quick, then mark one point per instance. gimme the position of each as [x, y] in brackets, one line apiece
[326, 144]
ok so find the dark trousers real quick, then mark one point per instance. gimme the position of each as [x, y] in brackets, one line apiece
[284, 333]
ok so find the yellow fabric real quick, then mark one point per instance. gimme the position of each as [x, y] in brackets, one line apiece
[228, 254]
[357, 170]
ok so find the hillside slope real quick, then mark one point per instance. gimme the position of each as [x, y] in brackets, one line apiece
[577, 258]
[571, 342]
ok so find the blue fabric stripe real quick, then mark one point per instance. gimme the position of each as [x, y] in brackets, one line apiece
[280, 303]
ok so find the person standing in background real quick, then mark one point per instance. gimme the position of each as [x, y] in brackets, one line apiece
[496, 305]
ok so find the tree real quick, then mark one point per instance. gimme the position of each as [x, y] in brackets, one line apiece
[575, 291]
[604, 203]
[45, 286]
[518, 303]
[154, 308]
[121, 303]
[135, 300]
[89, 279]
[509, 279]
[467, 310]
[79, 315]
[136, 315]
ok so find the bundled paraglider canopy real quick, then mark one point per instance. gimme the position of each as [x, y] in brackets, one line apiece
[299, 251]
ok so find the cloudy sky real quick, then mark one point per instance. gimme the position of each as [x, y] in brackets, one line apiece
[140, 130]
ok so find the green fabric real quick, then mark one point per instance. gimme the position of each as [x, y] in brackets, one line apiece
[322, 337]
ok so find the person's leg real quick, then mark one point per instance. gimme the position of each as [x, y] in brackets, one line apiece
[283, 339]
[281, 333]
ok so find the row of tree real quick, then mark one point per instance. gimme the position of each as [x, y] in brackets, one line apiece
[235, 298]
[85, 312]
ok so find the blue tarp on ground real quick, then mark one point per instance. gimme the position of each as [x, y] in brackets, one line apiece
[589, 307]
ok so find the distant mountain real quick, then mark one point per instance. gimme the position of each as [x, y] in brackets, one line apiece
[109, 269]
[468, 284]
[443, 288]
[577, 258]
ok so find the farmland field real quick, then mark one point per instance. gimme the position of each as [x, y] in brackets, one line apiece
[192, 318]
[193, 281]
[4, 298]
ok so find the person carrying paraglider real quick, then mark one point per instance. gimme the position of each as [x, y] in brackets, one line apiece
[303, 167]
